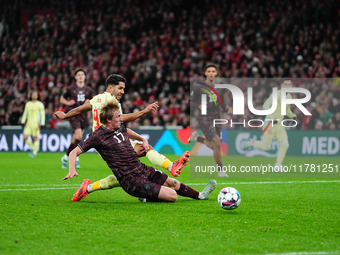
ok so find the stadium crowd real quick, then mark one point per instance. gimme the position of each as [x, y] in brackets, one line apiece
[159, 45]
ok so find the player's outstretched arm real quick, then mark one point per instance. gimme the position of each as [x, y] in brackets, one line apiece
[42, 115]
[289, 112]
[229, 109]
[72, 163]
[134, 136]
[66, 102]
[24, 116]
[133, 116]
[74, 112]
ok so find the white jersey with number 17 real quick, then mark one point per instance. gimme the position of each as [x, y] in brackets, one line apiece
[98, 102]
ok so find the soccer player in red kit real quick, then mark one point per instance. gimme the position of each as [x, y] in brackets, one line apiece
[112, 141]
[75, 96]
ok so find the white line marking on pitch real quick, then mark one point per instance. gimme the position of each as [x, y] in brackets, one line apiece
[33, 184]
[306, 253]
[3, 187]
[36, 189]
[269, 182]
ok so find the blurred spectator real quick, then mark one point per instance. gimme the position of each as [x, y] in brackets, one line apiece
[324, 118]
[335, 124]
[309, 121]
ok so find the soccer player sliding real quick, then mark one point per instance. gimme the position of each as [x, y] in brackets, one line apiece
[115, 86]
[111, 140]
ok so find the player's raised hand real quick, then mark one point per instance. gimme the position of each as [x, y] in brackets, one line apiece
[70, 175]
[229, 109]
[152, 107]
[60, 115]
[71, 102]
[146, 144]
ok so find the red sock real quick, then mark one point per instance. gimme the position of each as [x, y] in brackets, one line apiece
[186, 191]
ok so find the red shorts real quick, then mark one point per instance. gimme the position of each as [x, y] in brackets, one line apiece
[79, 121]
[207, 128]
[146, 185]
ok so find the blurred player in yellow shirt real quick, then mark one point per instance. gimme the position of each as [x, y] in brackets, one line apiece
[33, 118]
[272, 128]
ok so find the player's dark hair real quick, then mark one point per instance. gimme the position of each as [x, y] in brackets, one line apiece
[107, 112]
[210, 65]
[114, 79]
[30, 96]
[79, 70]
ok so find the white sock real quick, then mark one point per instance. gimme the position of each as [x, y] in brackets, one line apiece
[65, 157]
[89, 188]
[170, 166]
[77, 159]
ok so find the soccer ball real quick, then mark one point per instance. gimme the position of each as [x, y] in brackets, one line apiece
[229, 198]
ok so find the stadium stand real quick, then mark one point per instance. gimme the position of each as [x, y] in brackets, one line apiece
[159, 45]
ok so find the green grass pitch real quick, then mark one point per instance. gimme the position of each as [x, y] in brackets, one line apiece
[276, 216]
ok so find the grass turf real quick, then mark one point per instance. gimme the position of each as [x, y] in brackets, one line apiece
[38, 216]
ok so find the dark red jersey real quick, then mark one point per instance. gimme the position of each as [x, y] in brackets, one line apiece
[78, 94]
[115, 148]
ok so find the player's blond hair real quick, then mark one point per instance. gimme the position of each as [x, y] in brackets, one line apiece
[108, 111]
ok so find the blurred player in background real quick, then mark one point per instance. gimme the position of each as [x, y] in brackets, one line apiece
[75, 96]
[212, 135]
[34, 119]
[112, 142]
[272, 127]
[115, 86]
